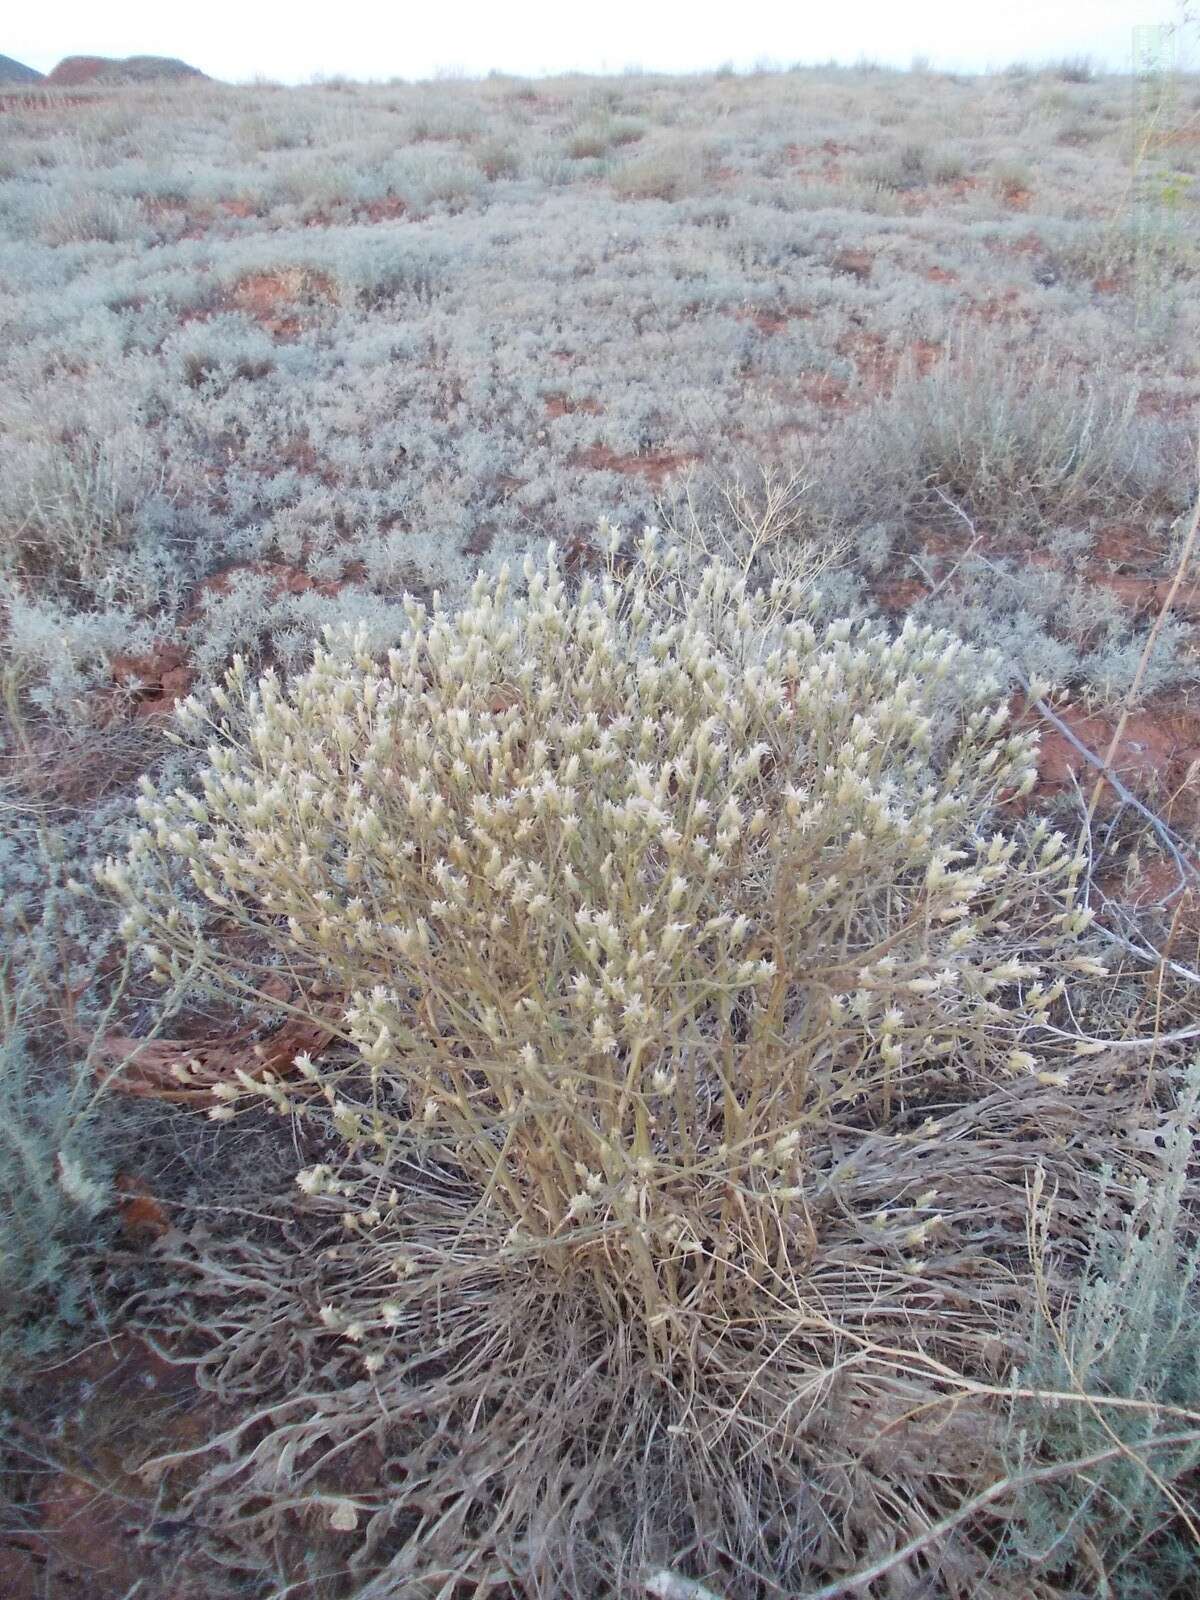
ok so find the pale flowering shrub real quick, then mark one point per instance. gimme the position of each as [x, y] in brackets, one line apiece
[624, 896]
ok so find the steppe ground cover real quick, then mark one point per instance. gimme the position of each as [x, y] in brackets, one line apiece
[275, 360]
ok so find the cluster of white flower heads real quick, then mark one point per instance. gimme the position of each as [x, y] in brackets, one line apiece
[624, 891]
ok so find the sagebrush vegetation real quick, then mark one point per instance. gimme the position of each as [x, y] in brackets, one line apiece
[547, 631]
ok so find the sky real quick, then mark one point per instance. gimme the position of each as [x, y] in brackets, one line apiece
[374, 39]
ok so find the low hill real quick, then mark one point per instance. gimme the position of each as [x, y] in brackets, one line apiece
[17, 72]
[74, 70]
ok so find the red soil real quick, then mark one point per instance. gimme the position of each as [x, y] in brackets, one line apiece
[899, 594]
[1150, 594]
[271, 298]
[156, 681]
[825, 390]
[1015, 197]
[1166, 897]
[1118, 546]
[121, 1401]
[143, 1218]
[999, 307]
[855, 263]
[561, 405]
[1124, 544]
[282, 580]
[76, 70]
[765, 321]
[390, 209]
[655, 465]
[878, 362]
[1189, 134]
[1153, 757]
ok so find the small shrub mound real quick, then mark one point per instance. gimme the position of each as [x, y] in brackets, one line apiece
[1128, 1341]
[55, 1158]
[688, 993]
[1016, 443]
